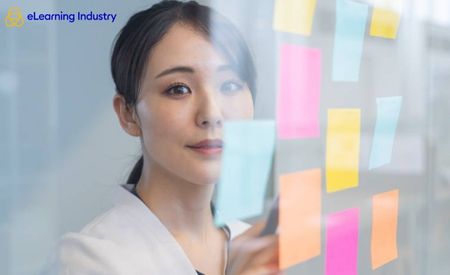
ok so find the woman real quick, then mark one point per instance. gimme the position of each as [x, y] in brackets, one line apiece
[180, 71]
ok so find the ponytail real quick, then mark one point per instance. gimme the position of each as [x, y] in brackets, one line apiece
[135, 174]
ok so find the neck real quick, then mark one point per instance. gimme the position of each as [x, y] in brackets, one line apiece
[182, 206]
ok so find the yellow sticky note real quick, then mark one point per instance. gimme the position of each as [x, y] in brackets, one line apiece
[295, 16]
[342, 149]
[299, 217]
[386, 18]
[384, 228]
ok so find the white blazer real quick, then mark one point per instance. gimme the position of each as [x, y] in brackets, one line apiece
[128, 239]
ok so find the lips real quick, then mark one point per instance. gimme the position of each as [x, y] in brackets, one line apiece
[208, 146]
[208, 143]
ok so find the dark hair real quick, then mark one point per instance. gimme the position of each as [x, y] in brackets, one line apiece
[146, 28]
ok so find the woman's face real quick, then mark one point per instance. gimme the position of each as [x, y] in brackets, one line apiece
[187, 93]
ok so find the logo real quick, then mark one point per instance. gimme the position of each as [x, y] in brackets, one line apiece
[14, 18]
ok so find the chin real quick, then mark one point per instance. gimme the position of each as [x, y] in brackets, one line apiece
[206, 174]
[206, 178]
[209, 180]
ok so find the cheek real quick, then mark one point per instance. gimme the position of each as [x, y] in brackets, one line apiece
[163, 125]
[167, 129]
[239, 107]
[165, 134]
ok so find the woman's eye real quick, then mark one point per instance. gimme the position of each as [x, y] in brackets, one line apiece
[231, 86]
[178, 90]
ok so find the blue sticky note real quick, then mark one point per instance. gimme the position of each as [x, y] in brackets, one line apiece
[246, 162]
[351, 20]
[388, 112]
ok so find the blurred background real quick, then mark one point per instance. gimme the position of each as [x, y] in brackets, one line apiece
[63, 151]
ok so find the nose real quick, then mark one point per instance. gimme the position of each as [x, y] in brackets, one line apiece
[209, 113]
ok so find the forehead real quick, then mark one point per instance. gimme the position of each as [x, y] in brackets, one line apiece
[182, 45]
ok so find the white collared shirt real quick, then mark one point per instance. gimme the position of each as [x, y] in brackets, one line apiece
[128, 239]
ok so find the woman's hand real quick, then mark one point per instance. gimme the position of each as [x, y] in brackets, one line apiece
[253, 255]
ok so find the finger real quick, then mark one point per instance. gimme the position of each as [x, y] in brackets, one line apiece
[242, 249]
[253, 231]
[243, 254]
[255, 245]
[259, 255]
[267, 255]
[266, 271]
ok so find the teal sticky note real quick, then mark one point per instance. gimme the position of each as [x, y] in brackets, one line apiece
[351, 21]
[388, 112]
[248, 148]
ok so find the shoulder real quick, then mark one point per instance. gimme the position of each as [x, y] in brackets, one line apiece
[128, 219]
[115, 224]
[104, 246]
[114, 242]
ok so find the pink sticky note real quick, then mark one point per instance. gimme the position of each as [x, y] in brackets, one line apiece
[342, 243]
[299, 92]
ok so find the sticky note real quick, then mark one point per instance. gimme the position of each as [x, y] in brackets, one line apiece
[388, 112]
[342, 243]
[248, 148]
[351, 19]
[294, 16]
[299, 217]
[386, 18]
[298, 106]
[384, 228]
[343, 149]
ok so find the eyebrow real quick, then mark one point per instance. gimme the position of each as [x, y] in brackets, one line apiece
[187, 69]
[179, 69]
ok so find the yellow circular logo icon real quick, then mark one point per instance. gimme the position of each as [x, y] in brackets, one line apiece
[14, 18]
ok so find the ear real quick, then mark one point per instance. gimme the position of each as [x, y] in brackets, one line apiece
[127, 117]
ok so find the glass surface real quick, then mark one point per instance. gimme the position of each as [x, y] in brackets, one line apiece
[62, 149]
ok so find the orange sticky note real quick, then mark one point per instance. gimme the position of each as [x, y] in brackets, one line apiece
[386, 18]
[299, 217]
[384, 228]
